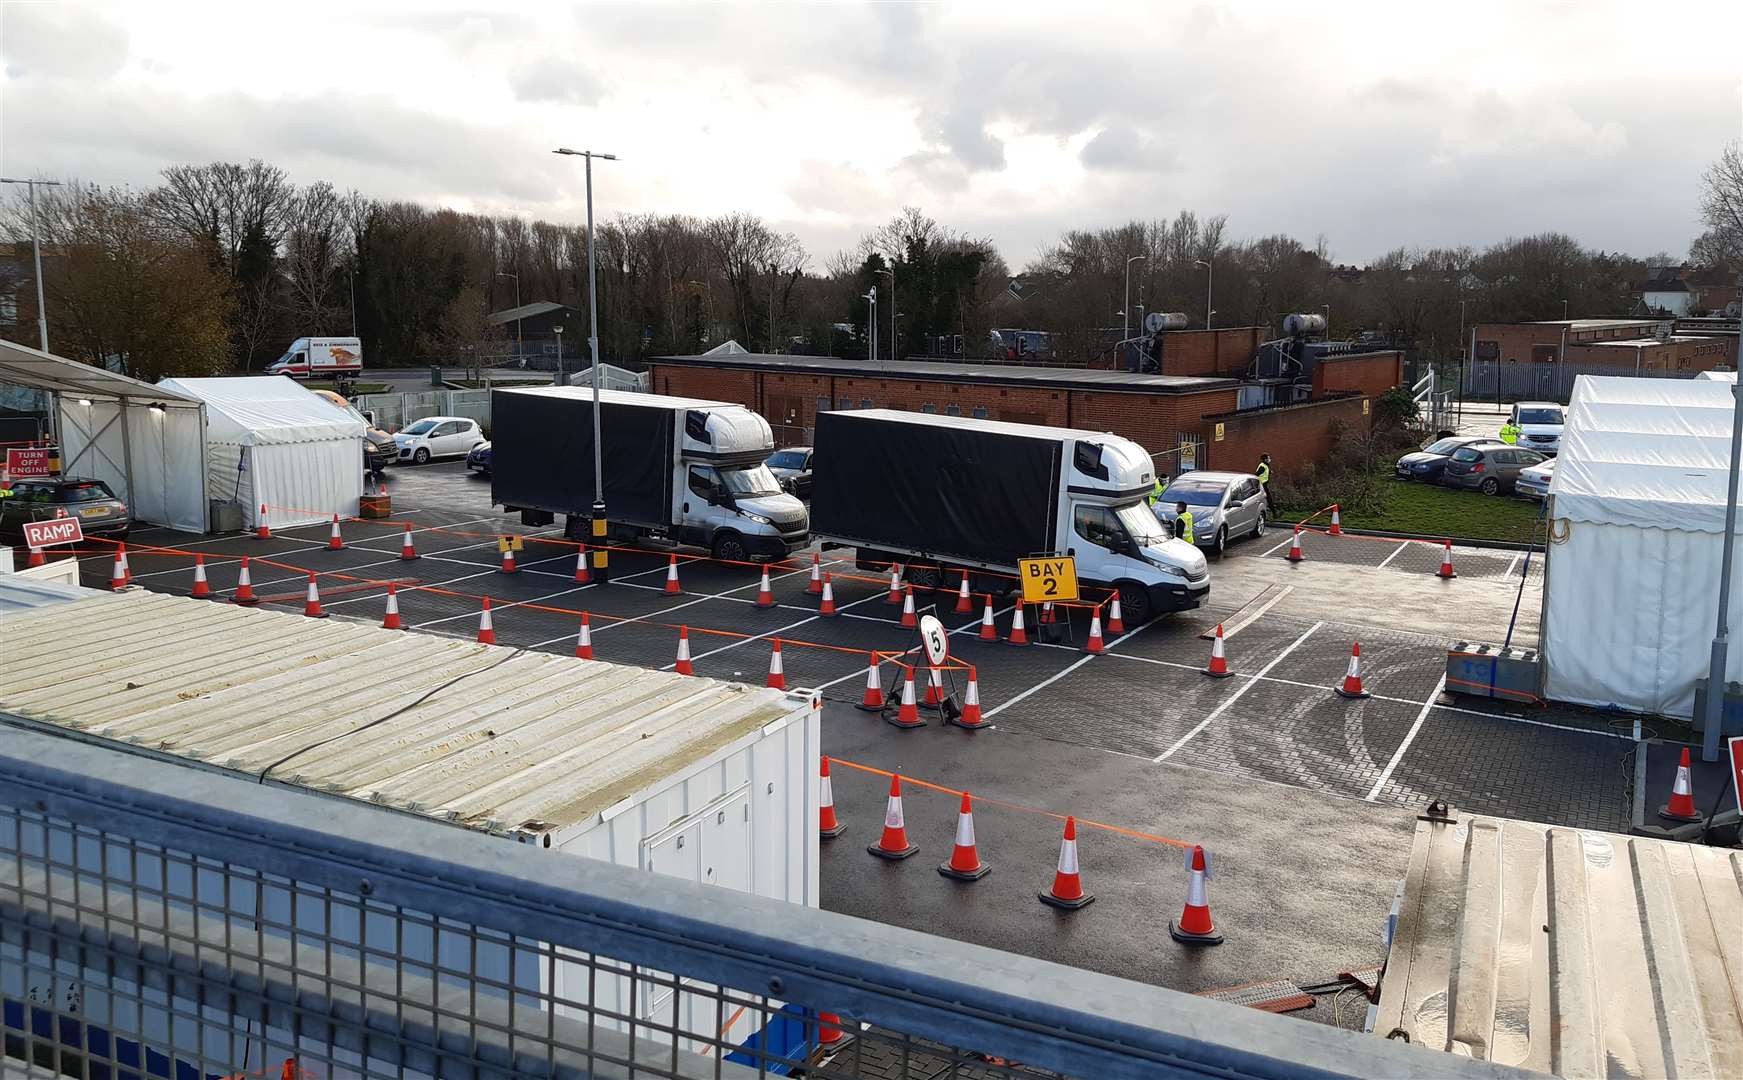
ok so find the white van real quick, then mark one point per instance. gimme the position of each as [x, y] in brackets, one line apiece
[1539, 425]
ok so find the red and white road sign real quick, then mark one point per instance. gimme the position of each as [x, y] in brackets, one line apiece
[1735, 745]
[33, 460]
[43, 534]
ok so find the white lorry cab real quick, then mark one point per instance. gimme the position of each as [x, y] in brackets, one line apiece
[320, 357]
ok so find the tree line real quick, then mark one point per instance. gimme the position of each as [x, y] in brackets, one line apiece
[218, 267]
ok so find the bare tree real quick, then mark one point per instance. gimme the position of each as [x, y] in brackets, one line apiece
[744, 249]
[1722, 212]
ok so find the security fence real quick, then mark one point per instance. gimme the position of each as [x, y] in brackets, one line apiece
[1542, 380]
[395, 411]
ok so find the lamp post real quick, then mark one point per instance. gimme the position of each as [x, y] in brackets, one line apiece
[601, 564]
[871, 324]
[1714, 714]
[516, 277]
[1209, 277]
[891, 274]
[1125, 320]
[36, 251]
[558, 330]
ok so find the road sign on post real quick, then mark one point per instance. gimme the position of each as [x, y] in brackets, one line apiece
[43, 534]
[932, 636]
[1052, 578]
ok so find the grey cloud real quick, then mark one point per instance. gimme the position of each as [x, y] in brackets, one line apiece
[550, 78]
[963, 132]
[60, 41]
[1402, 93]
[1123, 147]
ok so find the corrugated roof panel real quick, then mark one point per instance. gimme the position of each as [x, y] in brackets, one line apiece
[1580, 953]
[483, 735]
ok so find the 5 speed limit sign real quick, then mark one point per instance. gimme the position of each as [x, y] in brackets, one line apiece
[1046, 579]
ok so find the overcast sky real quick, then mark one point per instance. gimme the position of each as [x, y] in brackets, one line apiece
[1377, 124]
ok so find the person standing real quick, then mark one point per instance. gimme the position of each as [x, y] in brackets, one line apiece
[1183, 523]
[1510, 432]
[1263, 472]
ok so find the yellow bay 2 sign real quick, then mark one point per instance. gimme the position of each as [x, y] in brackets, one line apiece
[1048, 579]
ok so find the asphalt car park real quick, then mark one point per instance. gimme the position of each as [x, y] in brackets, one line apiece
[1269, 768]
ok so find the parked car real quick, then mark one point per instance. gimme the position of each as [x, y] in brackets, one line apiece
[792, 467]
[1539, 425]
[99, 512]
[1426, 464]
[438, 436]
[1223, 504]
[1489, 467]
[479, 458]
[379, 449]
[1533, 481]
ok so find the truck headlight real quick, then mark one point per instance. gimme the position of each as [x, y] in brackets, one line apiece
[758, 518]
[1169, 570]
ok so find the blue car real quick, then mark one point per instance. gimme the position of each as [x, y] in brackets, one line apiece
[479, 458]
[1428, 463]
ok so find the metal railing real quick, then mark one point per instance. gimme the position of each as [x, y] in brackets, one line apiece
[160, 919]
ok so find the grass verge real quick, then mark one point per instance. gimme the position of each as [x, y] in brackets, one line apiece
[1431, 510]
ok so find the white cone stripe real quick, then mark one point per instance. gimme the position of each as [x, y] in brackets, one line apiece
[1195, 891]
[893, 813]
[972, 695]
[683, 648]
[774, 663]
[1095, 625]
[1068, 857]
[908, 690]
[313, 595]
[826, 792]
[1683, 786]
[242, 578]
[484, 620]
[392, 604]
[199, 570]
[936, 678]
[871, 676]
[1216, 648]
[965, 830]
[1116, 608]
[1017, 618]
[1355, 668]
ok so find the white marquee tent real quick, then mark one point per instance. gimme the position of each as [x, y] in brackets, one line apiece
[1638, 520]
[269, 441]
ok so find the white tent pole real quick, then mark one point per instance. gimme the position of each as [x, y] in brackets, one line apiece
[205, 477]
[1721, 637]
[127, 453]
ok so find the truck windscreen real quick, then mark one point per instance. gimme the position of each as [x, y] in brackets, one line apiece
[1140, 524]
[755, 480]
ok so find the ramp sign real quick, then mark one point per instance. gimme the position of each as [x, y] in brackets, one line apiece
[1049, 578]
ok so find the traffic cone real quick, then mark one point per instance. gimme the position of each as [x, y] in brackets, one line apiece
[1047, 617]
[1094, 644]
[117, 573]
[873, 701]
[36, 558]
[970, 717]
[1336, 525]
[312, 602]
[765, 597]
[508, 566]
[1067, 892]
[827, 607]
[406, 551]
[908, 715]
[964, 863]
[584, 640]
[582, 575]
[683, 666]
[1195, 926]
[486, 629]
[335, 542]
[828, 825]
[244, 587]
[1018, 635]
[1446, 570]
[828, 1030]
[1116, 623]
[893, 845]
[989, 630]
[202, 590]
[1219, 661]
[895, 596]
[126, 571]
[391, 621]
[964, 604]
[1295, 554]
[1682, 795]
[909, 620]
[672, 586]
[815, 585]
[261, 531]
[777, 674]
[1352, 684]
[934, 698]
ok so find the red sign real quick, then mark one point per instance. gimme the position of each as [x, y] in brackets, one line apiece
[42, 534]
[33, 460]
[1735, 745]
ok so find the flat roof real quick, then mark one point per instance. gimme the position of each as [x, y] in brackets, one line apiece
[998, 427]
[936, 371]
[1641, 342]
[1588, 324]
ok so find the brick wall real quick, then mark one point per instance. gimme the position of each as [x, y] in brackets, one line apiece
[1209, 352]
[711, 384]
[1362, 373]
[1703, 354]
[1154, 421]
[1542, 341]
[1291, 434]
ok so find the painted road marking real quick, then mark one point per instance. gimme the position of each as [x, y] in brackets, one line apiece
[1409, 737]
[1286, 542]
[226, 558]
[1399, 550]
[1051, 679]
[1236, 696]
[1241, 619]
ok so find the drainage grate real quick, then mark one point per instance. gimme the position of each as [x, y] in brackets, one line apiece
[1272, 995]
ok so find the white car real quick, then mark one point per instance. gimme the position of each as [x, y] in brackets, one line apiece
[1539, 425]
[1533, 482]
[438, 436]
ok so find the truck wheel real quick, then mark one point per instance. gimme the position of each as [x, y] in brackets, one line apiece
[422, 455]
[925, 577]
[1134, 604]
[729, 547]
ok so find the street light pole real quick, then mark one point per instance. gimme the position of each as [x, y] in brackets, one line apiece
[1713, 717]
[1125, 318]
[36, 251]
[517, 338]
[601, 562]
[1209, 277]
[1327, 308]
[891, 274]
[871, 324]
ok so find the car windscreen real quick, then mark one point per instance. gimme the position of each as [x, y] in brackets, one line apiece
[787, 459]
[756, 480]
[86, 491]
[422, 427]
[1195, 492]
[1444, 446]
[1540, 416]
[1467, 454]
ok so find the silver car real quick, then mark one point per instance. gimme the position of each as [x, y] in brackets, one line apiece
[1223, 505]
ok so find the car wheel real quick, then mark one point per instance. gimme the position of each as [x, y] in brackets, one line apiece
[1259, 527]
[1491, 486]
[1134, 604]
[422, 455]
[1221, 542]
[729, 547]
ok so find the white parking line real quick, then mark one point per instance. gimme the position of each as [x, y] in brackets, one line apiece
[959, 630]
[1051, 679]
[1409, 737]
[1399, 550]
[1287, 541]
[766, 635]
[1236, 696]
[227, 558]
[1235, 628]
[1511, 563]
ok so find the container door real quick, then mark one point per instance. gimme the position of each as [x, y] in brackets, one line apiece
[726, 842]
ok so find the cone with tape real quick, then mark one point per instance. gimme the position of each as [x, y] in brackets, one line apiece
[1116, 621]
[335, 542]
[244, 587]
[508, 566]
[964, 603]
[934, 698]
[828, 825]
[36, 558]
[989, 630]
[777, 674]
[1018, 635]
[908, 713]
[261, 530]
[873, 701]
[815, 585]
[895, 595]
[202, 588]
[1681, 806]
[893, 844]
[126, 571]
[1067, 893]
[970, 716]
[407, 552]
[909, 619]
[1295, 554]
[1094, 643]
[672, 586]
[1351, 687]
[964, 863]
[683, 666]
[1446, 570]
[765, 595]
[312, 601]
[827, 607]
[1047, 614]
[486, 628]
[117, 573]
[1219, 661]
[1196, 926]
[583, 576]
[1337, 528]
[390, 621]
[584, 639]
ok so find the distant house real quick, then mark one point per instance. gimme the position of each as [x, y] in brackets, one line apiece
[1669, 296]
[531, 329]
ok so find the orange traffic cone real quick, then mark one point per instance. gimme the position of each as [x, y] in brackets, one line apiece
[486, 628]
[1047, 616]
[895, 596]
[1352, 684]
[1295, 554]
[1446, 570]
[873, 701]
[828, 825]
[989, 630]
[672, 586]
[970, 717]
[1116, 622]
[815, 585]
[126, 571]
[582, 575]
[909, 620]
[1094, 644]
[964, 864]
[765, 596]
[934, 698]
[1682, 795]
[244, 587]
[1337, 528]
[777, 674]
[391, 621]
[36, 558]
[1067, 892]
[202, 589]
[117, 573]
[683, 666]
[828, 1030]
[893, 845]
[964, 604]
[312, 602]
[508, 566]
[261, 531]
[908, 715]
[406, 551]
[1195, 926]
[1018, 635]
[335, 542]
[827, 607]
[1219, 661]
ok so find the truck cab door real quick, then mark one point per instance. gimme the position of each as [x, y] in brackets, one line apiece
[1099, 544]
[698, 512]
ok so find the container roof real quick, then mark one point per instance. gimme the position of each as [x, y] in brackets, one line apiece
[937, 371]
[617, 397]
[263, 410]
[493, 738]
[37, 370]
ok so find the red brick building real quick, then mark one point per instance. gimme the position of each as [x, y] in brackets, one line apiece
[1629, 345]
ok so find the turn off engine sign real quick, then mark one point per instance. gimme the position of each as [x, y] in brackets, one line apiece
[1049, 578]
[42, 534]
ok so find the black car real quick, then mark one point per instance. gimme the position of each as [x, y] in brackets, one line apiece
[1429, 463]
[479, 458]
[792, 467]
[99, 512]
